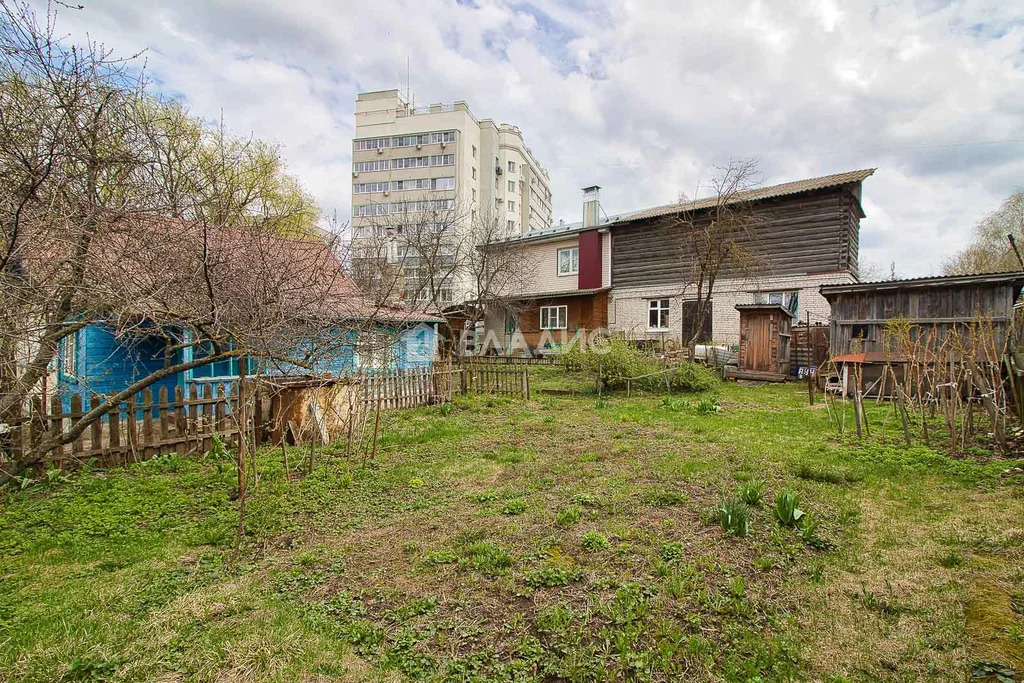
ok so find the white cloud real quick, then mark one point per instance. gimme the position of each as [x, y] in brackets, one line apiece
[643, 98]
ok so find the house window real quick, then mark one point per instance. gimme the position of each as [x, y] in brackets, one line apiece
[553, 317]
[512, 186]
[790, 299]
[511, 167]
[374, 351]
[657, 314]
[226, 368]
[511, 322]
[569, 261]
[68, 359]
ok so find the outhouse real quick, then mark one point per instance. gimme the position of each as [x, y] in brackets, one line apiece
[765, 331]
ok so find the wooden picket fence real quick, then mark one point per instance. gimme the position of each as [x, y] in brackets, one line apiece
[491, 378]
[144, 426]
[186, 422]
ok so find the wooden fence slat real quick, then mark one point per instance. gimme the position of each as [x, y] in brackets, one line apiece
[148, 436]
[96, 446]
[165, 421]
[180, 419]
[57, 425]
[75, 415]
[114, 433]
[131, 433]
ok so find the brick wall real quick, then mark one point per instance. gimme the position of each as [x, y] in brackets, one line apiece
[627, 308]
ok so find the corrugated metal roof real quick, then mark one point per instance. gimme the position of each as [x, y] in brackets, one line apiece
[780, 190]
[1013, 277]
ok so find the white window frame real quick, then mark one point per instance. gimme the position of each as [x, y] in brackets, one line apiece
[68, 361]
[561, 317]
[511, 166]
[511, 206]
[659, 306]
[574, 261]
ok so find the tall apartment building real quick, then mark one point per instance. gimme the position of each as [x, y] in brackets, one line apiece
[409, 159]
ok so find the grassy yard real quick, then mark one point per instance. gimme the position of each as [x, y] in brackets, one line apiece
[567, 538]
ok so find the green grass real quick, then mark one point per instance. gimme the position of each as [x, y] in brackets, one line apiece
[561, 538]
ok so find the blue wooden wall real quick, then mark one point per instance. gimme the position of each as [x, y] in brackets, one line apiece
[106, 364]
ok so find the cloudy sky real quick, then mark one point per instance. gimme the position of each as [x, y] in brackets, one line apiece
[642, 98]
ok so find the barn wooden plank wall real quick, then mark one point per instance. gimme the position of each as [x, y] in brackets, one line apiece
[809, 233]
[935, 311]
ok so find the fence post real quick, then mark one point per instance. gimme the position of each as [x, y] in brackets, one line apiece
[526, 382]
[131, 434]
[180, 419]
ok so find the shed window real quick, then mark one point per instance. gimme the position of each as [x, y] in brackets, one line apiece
[657, 314]
[554, 317]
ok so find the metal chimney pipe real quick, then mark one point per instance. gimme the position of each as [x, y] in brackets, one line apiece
[591, 206]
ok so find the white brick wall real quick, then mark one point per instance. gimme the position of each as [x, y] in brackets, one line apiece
[627, 308]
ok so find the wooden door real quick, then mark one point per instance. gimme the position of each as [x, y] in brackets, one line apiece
[759, 342]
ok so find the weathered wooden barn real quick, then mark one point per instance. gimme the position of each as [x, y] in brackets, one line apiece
[932, 306]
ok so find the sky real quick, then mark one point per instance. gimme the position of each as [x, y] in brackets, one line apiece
[645, 99]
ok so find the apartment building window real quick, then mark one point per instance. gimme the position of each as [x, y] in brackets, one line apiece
[365, 188]
[410, 162]
[569, 261]
[370, 210]
[474, 194]
[448, 136]
[553, 317]
[474, 173]
[412, 184]
[496, 184]
[372, 143]
[443, 183]
[511, 167]
[474, 151]
[375, 165]
[511, 226]
[410, 140]
[512, 186]
[511, 207]
[442, 160]
[497, 204]
[657, 314]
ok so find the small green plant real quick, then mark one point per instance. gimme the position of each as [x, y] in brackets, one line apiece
[551, 577]
[586, 500]
[951, 559]
[733, 516]
[787, 508]
[672, 551]
[309, 558]
[486, 557]
[595, 541]
[1015, 634]
[750, 492]
[807, 530]
[569, 515]
[663, 498]
[439, 557]
[484, 496]
[708, 405]
[516, 506]
[446, 409]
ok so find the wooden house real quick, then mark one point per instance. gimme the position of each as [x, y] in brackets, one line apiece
[765, 332]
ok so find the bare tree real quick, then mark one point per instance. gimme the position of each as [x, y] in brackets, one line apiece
[122, 211]
[717, 237]
[990, 250]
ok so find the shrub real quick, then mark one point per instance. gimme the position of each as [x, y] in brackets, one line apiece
[595, 541]
[693, 377]
[787, 508]
[733, 516]
[750, 492]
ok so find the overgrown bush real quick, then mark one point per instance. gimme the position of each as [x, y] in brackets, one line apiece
[618, 360]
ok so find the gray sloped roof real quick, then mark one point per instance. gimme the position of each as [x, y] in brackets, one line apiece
[768, 192]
